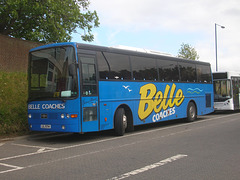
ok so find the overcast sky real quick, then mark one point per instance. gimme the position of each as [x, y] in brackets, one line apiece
[164, 25]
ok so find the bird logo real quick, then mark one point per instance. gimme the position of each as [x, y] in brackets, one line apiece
[127, 87]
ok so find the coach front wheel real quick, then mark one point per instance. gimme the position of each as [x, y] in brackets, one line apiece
[120, 122]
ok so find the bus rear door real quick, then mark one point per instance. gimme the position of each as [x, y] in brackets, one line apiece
[89, 95]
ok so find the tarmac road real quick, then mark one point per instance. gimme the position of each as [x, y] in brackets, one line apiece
[208, 148]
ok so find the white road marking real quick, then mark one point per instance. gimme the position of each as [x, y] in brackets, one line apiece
[2, 144]
[149, 167]
[38, 147]
[79, 155]
[15, 168]
[41, 150]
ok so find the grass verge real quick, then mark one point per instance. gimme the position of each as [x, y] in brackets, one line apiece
[13, 103]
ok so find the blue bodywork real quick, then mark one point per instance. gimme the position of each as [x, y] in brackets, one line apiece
[53, 115]
[149, 102]
[114, 94]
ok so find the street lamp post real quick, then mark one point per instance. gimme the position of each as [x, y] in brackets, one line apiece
[216, 42]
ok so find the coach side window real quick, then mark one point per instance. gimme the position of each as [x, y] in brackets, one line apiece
[119, 66]
[168, 70]
[103, 66]
[188, 72]
[204, 74]
[144, 68]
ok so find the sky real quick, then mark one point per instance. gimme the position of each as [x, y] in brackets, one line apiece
[163, 26]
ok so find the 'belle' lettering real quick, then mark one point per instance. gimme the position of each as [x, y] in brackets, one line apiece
[153, 100]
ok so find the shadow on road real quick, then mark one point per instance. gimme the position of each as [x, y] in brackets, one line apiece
[225, 112]
[70, 138]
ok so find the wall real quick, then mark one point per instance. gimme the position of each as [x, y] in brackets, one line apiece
[14, 53]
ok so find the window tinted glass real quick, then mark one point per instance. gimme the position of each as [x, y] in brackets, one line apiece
[188, 72]
[222, 90]
[119, 66]
[204, 74]
[89, 86]
[88, 73]
[103, 66]
[144, 68]
[168, 70]
[53, 74]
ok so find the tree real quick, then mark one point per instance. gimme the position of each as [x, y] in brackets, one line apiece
[47, 20]
[188, 52]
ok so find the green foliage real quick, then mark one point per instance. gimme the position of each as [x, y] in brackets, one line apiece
[188, 52]
[47, 20]
[13, 102]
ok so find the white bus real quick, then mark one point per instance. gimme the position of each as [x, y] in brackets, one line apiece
[226, 90]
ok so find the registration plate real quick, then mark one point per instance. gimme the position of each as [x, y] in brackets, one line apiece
[45, 126]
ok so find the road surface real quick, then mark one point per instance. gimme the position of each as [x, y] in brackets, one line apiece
[208, 148]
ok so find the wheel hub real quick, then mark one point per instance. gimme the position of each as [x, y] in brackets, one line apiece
[124, 121]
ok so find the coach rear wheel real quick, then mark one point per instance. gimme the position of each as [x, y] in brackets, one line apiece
[120, 122]
[191, 112]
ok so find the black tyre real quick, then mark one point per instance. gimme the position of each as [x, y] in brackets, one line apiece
[120, 122]
[191, 112]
